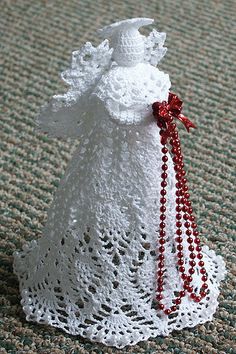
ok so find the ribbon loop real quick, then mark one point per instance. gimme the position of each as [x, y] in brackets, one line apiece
[164, 112]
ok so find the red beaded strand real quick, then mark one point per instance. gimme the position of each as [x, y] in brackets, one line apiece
[184, 220]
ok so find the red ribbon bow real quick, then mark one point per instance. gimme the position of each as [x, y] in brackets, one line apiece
[164, 112]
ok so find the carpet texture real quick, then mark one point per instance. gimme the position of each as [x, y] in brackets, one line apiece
[37, 38]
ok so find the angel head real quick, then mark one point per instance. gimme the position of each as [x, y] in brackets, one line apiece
[130, 47]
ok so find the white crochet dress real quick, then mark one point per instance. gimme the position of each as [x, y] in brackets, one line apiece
[93, 272]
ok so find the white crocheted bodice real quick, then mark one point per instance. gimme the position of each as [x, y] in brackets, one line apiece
[93, 272]
[128, 92]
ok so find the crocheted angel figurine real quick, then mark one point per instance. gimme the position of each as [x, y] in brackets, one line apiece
[120, 259]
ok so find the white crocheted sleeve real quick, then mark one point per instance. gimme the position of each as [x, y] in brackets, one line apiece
[68, 115]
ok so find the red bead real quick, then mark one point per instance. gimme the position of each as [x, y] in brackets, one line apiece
[164, 150]
[181, 269]
[198, 248]
[178, 216]
[175, 135]
[163, 192]
[164, 158]
[194, 225]
[176, 142]
[185, 209]
[188, 232]
[192, 255]
[179, 239]
[191, 271]
[179, 185]
[187, 195]
[178, 151]
[179, 224]
[185, 188]
[186, 286]
[160, 272]
[184, 276]
[182, 293]
[201, 263]
[183, 201]
[162, 209]
[161, 257]
[160, 264]
[203, 271]
[162, 225]
[178, 200]
[159, 297]
[187, 224]
[163, 200]
[183, 173]
[162, 249]
[174, 150]
[204, 278]
[175, 159]
[161, 306]
[188, 203]
[192, 263]
[178, 193]
[178, 301]
[202, 293]
[178, 176]
[199, 256]
[193, 296]
[190, 289]
[179, 232]
[189, 240]
[162, 217]
[197, 241]
[179, 247]
[167, 311]
[180, 255]
[195, 233]
[178, 208]
[204, 286]
[163, 183]
[184, 180]
[160, 288]
[191, 248]
[164, 175]
[164, 167]
[186, 217]
[180, 261]
[162, 233]
[191, 218]
[160, 281]
[189, 279]
[190, 210]
[173, 308]
[162, 241]
[197, 299]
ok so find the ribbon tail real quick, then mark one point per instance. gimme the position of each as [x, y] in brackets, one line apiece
[186, 122]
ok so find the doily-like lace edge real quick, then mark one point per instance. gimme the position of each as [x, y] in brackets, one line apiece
[110, 341]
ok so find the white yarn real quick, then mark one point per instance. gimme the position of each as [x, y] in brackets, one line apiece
[93, 271]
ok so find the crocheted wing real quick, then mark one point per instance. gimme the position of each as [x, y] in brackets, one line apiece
[154, 50]
[67, 114]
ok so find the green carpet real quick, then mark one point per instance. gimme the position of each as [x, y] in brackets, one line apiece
[36, 41]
